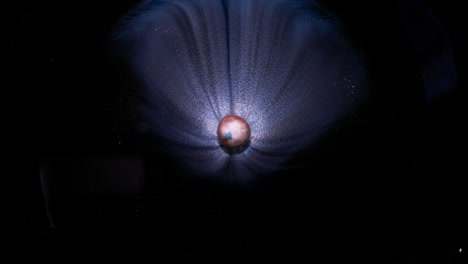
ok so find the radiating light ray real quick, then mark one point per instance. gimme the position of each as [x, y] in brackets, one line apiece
[282, 65]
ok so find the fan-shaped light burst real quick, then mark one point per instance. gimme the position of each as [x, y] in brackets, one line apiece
[282, 65]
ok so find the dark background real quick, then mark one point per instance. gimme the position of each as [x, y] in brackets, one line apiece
[387, 186]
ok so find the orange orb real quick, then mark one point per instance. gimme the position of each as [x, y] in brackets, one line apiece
[233, 131]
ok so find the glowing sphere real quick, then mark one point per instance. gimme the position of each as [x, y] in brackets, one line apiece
[233, 132]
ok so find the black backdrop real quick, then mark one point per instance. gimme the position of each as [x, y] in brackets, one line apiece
[387, 187]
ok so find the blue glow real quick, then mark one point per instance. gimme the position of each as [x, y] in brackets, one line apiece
[282, 65]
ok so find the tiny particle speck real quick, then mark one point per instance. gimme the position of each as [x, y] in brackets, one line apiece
[460, 250]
